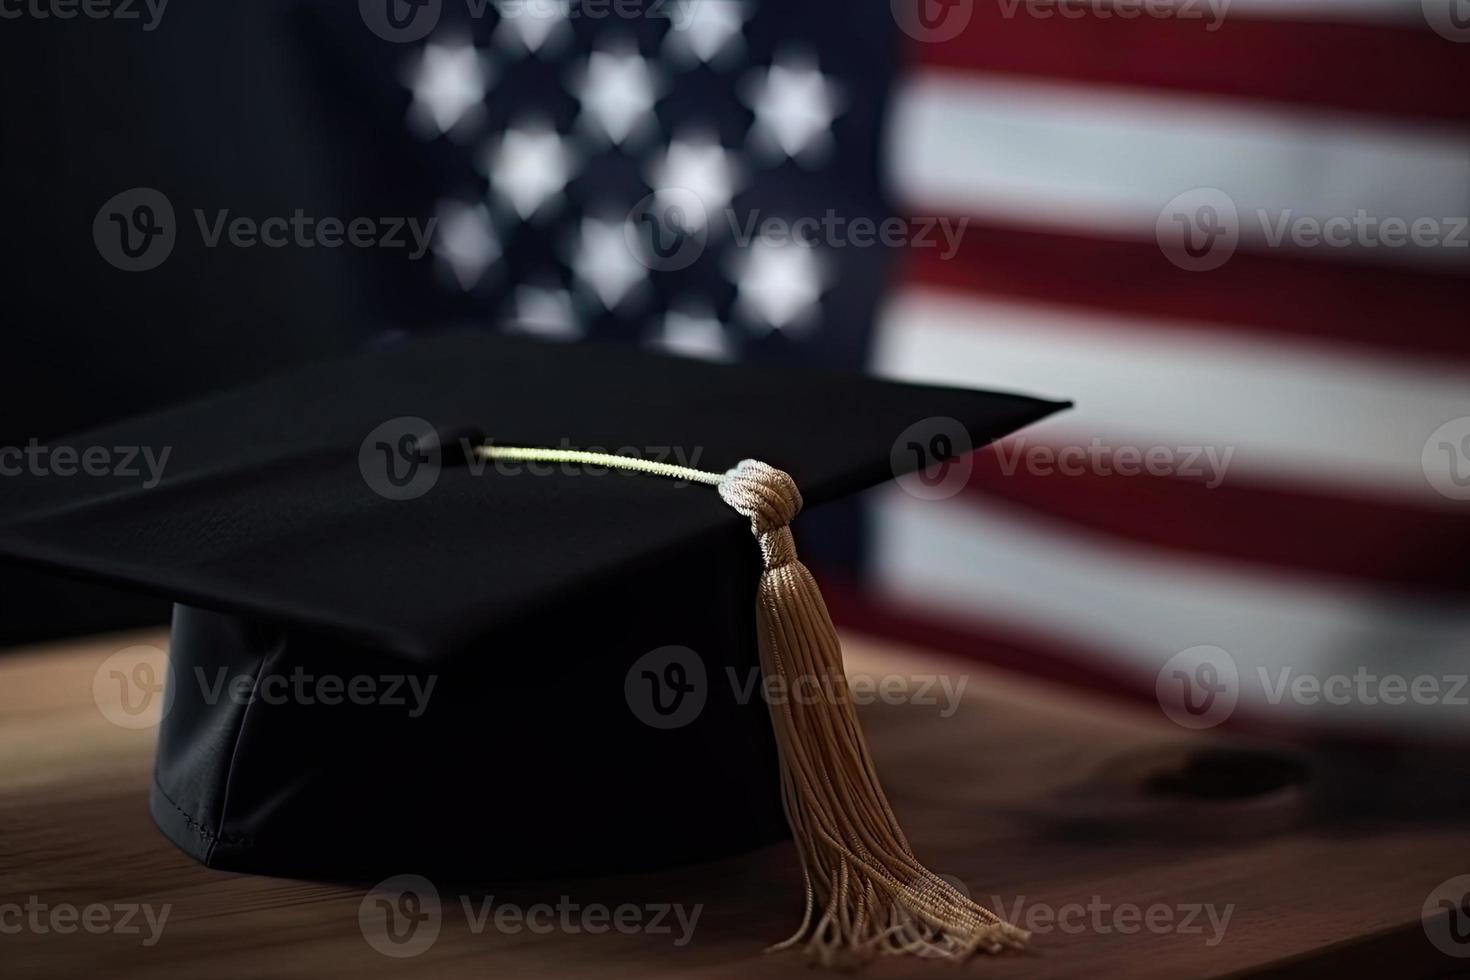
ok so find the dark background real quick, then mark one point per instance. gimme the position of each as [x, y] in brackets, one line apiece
[214, 107]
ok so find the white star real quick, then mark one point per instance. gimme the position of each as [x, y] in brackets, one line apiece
[546, 313]
[448, 84]
[701, 167]
[527, 26]
[692, 332]
[778, 283]
[616, 92]
[465, 240]
[794, 106]
[603, 262]
[704, 30]
[529, 166]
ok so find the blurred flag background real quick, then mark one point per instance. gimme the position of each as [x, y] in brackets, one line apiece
[1144, 193]
[1233, 232]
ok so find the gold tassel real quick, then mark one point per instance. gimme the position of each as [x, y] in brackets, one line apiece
[866, 893]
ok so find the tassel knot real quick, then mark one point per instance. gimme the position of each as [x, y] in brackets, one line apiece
[764, 494]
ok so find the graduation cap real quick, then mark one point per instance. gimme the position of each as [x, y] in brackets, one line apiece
[470, 608]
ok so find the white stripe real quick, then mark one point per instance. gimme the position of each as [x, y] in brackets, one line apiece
[963, 557]
[1079, 157]
[1306, 412]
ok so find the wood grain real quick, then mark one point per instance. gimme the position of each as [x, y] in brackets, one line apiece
[1060, 803]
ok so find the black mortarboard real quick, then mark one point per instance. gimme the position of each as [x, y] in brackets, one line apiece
[566, 641]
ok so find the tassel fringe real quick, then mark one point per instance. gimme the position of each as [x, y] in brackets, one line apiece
[867, 895]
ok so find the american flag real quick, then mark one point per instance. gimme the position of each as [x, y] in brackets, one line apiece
[1183, 215]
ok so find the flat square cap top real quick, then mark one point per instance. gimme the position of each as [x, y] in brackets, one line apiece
[298, 500]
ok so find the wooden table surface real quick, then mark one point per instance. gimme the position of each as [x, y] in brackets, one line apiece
[1082, 814]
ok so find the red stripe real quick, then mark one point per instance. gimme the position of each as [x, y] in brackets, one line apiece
[1009, 647]
[1244, 519]
[1401, 310]
[1374, 68]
